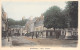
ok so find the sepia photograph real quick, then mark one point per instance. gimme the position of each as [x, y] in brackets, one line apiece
[45, 23]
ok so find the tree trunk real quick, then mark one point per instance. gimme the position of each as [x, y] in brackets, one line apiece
[32, 35]
[36, 34]
[54, 32]
[54, 29]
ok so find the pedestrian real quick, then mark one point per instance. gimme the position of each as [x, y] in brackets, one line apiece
[32, 35]
[42, 34]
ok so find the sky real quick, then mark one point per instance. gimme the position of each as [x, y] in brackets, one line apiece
[17, 10]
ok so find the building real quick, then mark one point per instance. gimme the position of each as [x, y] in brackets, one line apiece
[71, 33]
[36, 28]
[4, 23]
[28, 26]
[35, 25]
[38, 24]
[16, 30]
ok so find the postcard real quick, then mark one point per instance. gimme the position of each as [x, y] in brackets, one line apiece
[39, 25]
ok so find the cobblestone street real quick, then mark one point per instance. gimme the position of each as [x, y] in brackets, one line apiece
[21, 41]
[28, 41]
[17, 41]
[5, 41]
[53, 42]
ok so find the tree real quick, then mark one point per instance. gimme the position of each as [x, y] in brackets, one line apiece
[53, 18]
[61, 23]
[13, 22]
[72, 12]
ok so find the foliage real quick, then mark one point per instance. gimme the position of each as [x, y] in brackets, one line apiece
[72, 12]
[53, 18]
[13, 22]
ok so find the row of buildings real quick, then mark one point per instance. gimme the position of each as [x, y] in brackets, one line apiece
[35, 27]
[10, 30]
[35, 24]
[17, 30]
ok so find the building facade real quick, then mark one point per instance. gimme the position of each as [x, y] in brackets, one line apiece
[17, 30]
[36, 28]
[4, 23]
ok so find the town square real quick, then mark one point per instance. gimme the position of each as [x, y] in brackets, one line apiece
[29, 24]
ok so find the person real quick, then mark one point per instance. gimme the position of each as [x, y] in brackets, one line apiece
[32, 34]
[42, 34]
